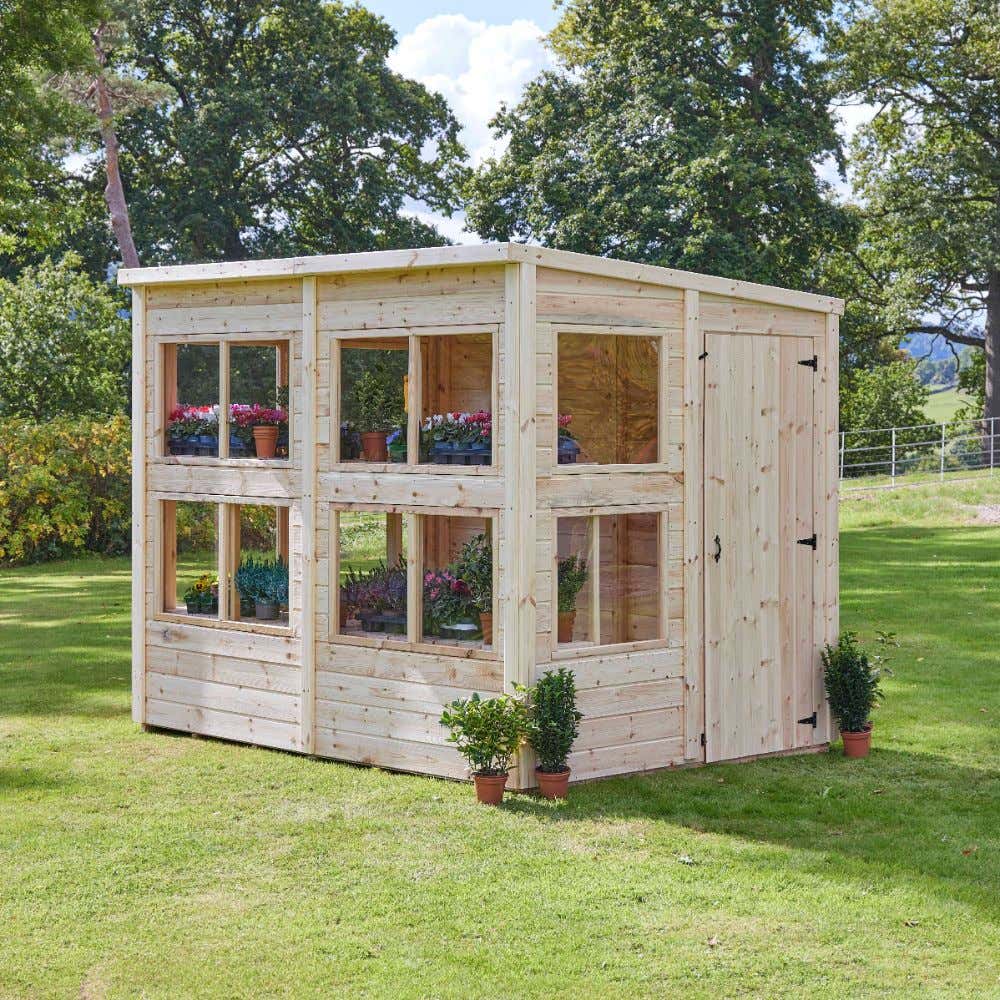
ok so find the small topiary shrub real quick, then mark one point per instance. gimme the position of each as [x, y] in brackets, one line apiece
[553, 721]
[852, 683]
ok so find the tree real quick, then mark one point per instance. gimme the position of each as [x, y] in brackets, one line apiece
[886, 396]
[928, 166]
[678, 133]
[64, 346]
[287, 132]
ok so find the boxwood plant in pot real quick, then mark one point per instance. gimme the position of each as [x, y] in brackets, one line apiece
[475, 567]
[553, 725]
[487, 732]
[853, 689]
[572, 575]
[378, 404]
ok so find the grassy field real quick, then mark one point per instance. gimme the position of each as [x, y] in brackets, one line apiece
[150, 865]
[941, 406]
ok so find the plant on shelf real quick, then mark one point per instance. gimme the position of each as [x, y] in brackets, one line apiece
[193, 430]
[458, 438]
[350, 442]
[553, 725]
[853, 689]
[396, 445]
[448, 608]
[272, 591]
[378, 404]
[380, 598]
[475, 568]
[202, 596]
[351, 589]
[572, 575]
[568, 450]
[248, 580]
[261, 424]
[487, 732]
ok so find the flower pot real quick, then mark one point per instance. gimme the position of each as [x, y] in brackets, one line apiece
[567, 619]
[394, 624]
[265, 440]
[247, 607]
[371, 621]
[459, 631]
[857, 744]
[568, 451]
[373, 443]
[552, 784]
[266, 611]
[489, 788]
[193, 607]
[486, 625]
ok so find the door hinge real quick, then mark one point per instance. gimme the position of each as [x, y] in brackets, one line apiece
[703, 355]
[812, 363]
[810, 541]
[809, 720]
[704, 742]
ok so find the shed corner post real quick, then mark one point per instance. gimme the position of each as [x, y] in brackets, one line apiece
[139, 553]
[517, 548]
[310, 348]
[694, 540]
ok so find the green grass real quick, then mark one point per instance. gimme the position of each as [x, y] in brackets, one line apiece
[941, 406]
[163, 866]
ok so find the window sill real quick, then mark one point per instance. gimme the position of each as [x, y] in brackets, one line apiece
[204, 621]
[428, 469]
[595, 468]
[433, 647]
[237, 463]
[578, 651]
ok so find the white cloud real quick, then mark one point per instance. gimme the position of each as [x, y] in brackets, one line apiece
[476, 66]
[450, 226]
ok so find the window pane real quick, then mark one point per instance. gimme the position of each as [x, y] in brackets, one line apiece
[373, 401]
[607, 398]
[191, 560]
[258, 397]
[372, 597]
[192, 395]
[630, 578]
[457, 575]
[457, 399]
[574, 596]
[260, 582]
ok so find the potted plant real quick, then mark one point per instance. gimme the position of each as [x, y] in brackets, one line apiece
[396, 445]
[272, 591]
[247, 580]
[572, 575]
[448, 608]
[853, 690]
[553, 724]
[487, 732]
[379, 407]
[202, 596]
[264, 423]
[568, 449]
[475, 568]
[350, 442]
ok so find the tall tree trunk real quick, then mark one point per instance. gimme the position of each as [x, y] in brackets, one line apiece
[114, 193]
[992, 346]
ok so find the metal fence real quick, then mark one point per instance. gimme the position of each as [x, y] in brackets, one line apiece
[897, 456]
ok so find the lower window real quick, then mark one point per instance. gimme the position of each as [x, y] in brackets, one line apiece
[608, 579]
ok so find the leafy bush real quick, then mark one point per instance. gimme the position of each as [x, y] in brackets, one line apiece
[553, 721]
[475, 567]
[64, 488]
[572, 573]
[852, 683]
[487, 731]
[378, 400]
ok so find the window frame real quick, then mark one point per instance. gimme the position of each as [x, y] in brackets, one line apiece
[661, 333]
[574, 652]
[340, 339]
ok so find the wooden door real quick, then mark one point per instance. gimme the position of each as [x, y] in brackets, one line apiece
[761, 664]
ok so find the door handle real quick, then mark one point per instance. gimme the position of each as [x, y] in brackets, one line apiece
[718, 549]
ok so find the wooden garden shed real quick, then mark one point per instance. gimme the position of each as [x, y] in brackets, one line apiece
[669, 436]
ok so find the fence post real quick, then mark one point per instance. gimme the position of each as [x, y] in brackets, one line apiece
[893, 456]
[942, 452]
[843, 435]
[993, 435]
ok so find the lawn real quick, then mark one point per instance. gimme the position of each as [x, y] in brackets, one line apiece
[163, 866]
[941, 405]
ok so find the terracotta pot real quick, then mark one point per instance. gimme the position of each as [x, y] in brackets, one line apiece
[567, 619]
[265, 440]
[374, 447]
[486, 624]
[489, 788]
[344, 613]
[553, 785]
[858, 744]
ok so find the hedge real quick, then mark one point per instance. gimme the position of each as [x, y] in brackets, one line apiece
[64, 488]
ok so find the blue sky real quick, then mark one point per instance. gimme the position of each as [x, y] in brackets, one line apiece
[405, 15]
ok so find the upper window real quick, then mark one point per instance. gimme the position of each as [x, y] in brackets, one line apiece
[251, 377]
[608, 399]
[373, 393]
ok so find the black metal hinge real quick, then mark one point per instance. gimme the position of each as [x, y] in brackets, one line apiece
[703, 355]
[809, 720]
[703, 740]
[812, 363]
[810, 541]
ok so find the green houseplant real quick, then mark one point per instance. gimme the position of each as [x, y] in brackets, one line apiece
[202, 596]
[272, 590]
[247, 579]
[487, 732]
[378, 403]
[553, 725]
[853, 689]
[475, 567]
[572, 575]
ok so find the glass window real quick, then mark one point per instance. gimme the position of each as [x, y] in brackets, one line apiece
[372, 575]
[258, 400]
[259, 567]
[456, 399]
[373, 399]
[607, 399]
[191, 392]
[609, 579]
[457, 577]
[190, 558]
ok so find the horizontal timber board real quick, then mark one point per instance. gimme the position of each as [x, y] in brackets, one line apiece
[411, 490]
[624, 699]
[420, 668]
[373, 720]
[397, 755]
[630, 759]
[606, 489]
[206, 480]
[244, 645]
[224, 725]
[223, 697]
[278, 318]
[225, 670]
[621, 670]
[637, 727]
[382, 692]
